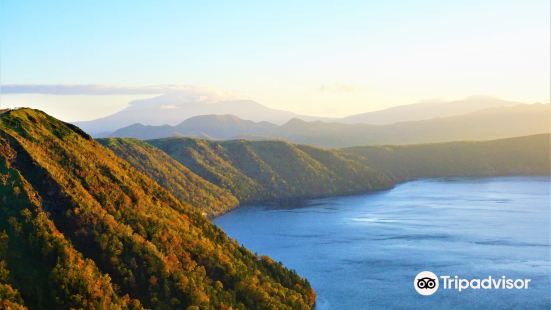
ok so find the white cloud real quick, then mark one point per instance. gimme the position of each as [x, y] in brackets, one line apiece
[99, 89]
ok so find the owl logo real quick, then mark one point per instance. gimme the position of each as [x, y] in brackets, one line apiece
[426, 283]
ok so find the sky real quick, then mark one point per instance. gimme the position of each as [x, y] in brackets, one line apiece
[325, 58]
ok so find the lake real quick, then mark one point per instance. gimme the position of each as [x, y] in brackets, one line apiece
[364, 251]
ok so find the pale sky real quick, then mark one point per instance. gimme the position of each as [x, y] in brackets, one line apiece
[327, 58]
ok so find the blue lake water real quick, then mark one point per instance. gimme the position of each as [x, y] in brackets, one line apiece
[364, 251]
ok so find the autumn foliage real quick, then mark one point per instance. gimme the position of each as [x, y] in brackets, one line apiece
[82, 228]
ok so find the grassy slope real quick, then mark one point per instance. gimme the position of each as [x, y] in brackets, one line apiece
[172, 175]
[133, 236]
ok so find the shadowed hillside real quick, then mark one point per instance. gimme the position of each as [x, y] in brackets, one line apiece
[82, 228]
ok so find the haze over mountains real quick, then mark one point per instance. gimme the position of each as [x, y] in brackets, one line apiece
[428, 110]
[486, 124]
[175, 107]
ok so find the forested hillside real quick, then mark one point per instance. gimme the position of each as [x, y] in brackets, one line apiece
[172, 175]
[256, 171]
[82, 228]
[528, 155]
[273, 170]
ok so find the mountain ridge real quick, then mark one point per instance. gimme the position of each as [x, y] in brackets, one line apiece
[268, 171]
[425, 110]
[175, 107]
[487, 124]
[171, 109]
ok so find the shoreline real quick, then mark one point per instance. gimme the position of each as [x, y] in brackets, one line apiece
[303, 200]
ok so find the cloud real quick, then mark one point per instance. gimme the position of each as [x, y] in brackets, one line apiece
[97, 89]
[167, 94]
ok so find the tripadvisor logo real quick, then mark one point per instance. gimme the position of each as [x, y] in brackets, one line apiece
[427, 283]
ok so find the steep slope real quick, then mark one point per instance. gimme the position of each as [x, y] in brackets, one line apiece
[528, 155]
[209, 163]
[272, 170]
[493, 123]
[100, 234]
[172, 175]
[38, 262]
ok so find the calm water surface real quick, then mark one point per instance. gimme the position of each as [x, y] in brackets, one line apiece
[364, 251]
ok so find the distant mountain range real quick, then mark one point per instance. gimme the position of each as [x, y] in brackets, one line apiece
[175, 107]
[486, 124]
[171, 109]
[427, 110]
[214, 127]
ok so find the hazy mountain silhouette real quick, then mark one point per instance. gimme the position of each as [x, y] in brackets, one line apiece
[175, 107]
[171, 109]
[427, 110]
[204, 126]
[492, 123]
